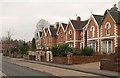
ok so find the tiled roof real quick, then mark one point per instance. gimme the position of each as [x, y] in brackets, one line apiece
[98, 18]
[46, 30]
[53, 30]
[64, 25]
[115, 15]
[40, 33]
[78, 25]
[84, 23]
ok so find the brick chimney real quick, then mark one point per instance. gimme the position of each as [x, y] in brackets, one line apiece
[78, 18]
[114, 8]
[56, 24]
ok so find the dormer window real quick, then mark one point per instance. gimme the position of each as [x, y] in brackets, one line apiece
[92, 31]
[107, 27]
[70, 33]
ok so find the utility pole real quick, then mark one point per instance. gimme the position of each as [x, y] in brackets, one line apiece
[9, 42]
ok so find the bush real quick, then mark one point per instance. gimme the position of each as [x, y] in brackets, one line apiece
[61, 50]
[87, 51]
[76, 51]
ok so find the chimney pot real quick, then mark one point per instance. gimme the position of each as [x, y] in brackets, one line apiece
[78, 18]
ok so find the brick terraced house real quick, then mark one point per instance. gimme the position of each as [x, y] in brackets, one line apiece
[61, 36]
[102, 33]
[74, 31]
[44, 37]
[93, 34]
[110, 31]
[51, 37]
[38, 40]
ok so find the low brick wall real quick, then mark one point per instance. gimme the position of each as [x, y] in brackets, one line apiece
[77, 59]
[85, 59]
[60, 60]
[110, 62]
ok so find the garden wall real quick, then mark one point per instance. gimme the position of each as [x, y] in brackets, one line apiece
[110, 62]
[60, 60]
[85, 59]
[76, 59]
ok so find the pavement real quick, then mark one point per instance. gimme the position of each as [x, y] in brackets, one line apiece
[78, 68]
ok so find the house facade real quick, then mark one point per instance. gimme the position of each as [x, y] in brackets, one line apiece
[110, 31]
[93, 34]
[38, 39]
[61, 35]
[74, 31]
[51, 37]
[44, 38]
[102, 33]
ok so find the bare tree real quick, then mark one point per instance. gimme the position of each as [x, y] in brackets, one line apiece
[41, 24]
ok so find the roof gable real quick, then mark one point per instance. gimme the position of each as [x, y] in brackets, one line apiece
[76, 24]
[115, 15]
[63, 26]
[44, 31]
[52, 30]
[98, 19]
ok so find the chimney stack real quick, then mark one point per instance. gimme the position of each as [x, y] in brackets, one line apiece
[56, 24]
[78, 18]
[114, 8]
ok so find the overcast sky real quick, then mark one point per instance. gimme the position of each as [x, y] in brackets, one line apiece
[21, 16]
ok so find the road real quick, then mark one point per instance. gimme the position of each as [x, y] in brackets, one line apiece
[11, 70]
[21, 69]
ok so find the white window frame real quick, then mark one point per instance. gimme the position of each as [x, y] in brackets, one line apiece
[92, 31]
[81, 44]
[70, 34]
[107, 30]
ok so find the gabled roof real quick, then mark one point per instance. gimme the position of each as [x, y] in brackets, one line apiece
[84, 23]
[76, 24]
[98, 18]
[64, 25]
[52, 30]
[45, 31]
[40, 33]
[115, 15]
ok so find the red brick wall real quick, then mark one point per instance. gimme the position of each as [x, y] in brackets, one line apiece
[54, 41]
[78, 35]
[61, 39]
[77, 59]
[67, 32]
[51, 40]
[85, 59]
[108, 62]
[60, 60]
[118, 27]
[107, 19]
[44, 41]
[92, 23]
